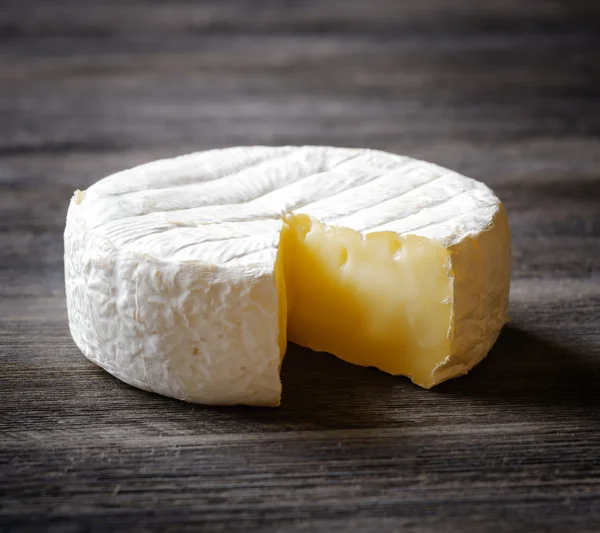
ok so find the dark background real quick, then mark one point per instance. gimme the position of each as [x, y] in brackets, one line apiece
[506, 91]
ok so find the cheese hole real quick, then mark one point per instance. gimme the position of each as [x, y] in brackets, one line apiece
[343, 259]
[399, 254]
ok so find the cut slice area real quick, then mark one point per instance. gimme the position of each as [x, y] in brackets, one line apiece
[380, 300]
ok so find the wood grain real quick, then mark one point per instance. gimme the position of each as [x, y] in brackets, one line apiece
[507, 92]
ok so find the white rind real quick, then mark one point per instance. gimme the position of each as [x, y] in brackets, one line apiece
[170, 266]
[159, 325]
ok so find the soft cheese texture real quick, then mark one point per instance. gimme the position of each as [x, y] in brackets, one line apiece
[383, 300]
[183, 276]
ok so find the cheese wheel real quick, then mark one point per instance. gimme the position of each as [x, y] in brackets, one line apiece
[186, 276]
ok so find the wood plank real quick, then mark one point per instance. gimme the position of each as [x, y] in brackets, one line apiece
[506, 92]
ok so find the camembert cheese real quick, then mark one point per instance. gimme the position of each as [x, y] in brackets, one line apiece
[187, 276]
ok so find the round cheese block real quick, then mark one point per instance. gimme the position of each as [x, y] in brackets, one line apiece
[184, 276]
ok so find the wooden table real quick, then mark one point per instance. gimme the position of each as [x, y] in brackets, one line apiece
[507, 92]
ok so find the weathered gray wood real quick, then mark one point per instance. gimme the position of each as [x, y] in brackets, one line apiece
[507, 92]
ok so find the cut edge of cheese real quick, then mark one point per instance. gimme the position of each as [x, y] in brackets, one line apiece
[402, 304]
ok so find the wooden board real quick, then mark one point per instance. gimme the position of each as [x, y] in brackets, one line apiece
[507, 92]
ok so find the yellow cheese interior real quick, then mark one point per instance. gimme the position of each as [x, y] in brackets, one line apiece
[379, 300]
